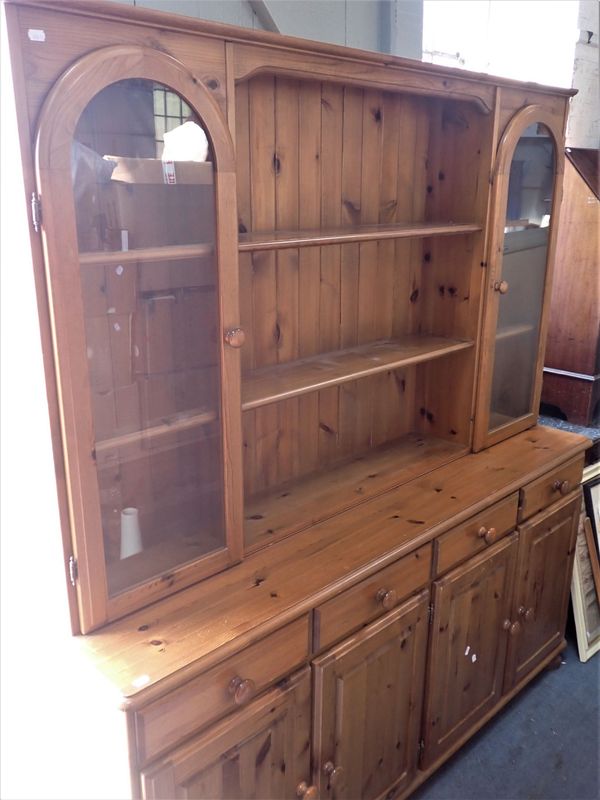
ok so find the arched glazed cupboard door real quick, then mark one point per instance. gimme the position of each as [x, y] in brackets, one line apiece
[520, 253]
[134, 167]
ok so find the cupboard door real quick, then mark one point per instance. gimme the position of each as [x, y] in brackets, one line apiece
[542, 588]
[140, 245]
[262, 752]
[526, 201]
[467, 653]
[368, 696]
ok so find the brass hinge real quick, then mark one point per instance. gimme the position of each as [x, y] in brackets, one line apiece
[73, 570]
[421, 745]
[430, 613]
[36, 212]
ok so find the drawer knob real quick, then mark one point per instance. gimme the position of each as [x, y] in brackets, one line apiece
[235, 337]
[241, 689]
[387, 598]
[501, 286]
[488, 534]
[306, 792]
[527, 613]
[512, 627]
[333, 773]
[561, 486]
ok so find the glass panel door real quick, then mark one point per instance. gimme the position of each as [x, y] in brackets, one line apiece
[145, 212]
[522, 276]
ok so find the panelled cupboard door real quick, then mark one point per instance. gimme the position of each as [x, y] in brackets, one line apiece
[470, 625]
[141, 262]
[368, 698]
[542, 586]
[261, 752]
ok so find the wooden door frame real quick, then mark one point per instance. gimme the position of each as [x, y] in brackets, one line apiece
[58, 119]
[523, 118]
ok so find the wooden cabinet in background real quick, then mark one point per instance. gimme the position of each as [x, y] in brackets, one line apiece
[296, 308]
[572, 360]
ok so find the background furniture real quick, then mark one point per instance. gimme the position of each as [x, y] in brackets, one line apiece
[572, 362]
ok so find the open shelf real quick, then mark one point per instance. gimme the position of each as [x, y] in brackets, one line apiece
[169, 253]
[174, 424]
[280, 512]
[270, 384]
[279, 240]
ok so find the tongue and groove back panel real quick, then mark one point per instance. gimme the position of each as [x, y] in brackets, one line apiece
[314, 155]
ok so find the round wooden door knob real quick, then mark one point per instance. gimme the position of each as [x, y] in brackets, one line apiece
[387, 598]
[333, 773]
[527, 613]
[235, 337]
[501, 286]
[306, 792]
[241, 689]
[488, 534]
[561, 486]
[512, 627]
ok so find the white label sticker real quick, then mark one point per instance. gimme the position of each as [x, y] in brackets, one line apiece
[169, 172]
[36, 35]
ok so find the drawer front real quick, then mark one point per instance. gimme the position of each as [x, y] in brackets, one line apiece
[476, 534]
[544, 491]
[172, 718]
[371, 598]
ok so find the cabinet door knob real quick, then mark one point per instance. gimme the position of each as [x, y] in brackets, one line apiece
[561, 486]
[235, 337]
[527, 613]
[387, 598]
[306, 792]
[241, 689]
[512, 627]
[501, 286]
[489, 534]
[333, 773]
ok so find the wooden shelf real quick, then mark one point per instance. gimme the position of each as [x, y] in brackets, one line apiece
[271, 240]
[175, 424]
[157, 559]
[278, 513]
[280, 382]
[150, 171]
[168, 253]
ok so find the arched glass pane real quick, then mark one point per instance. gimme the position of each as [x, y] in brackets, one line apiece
[144, 196]
[523, 274]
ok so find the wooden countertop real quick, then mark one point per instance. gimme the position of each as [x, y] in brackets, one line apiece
[152, 650]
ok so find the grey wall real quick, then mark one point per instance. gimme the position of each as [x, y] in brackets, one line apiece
[390, 26]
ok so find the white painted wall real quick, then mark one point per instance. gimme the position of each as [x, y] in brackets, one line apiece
[583, 128]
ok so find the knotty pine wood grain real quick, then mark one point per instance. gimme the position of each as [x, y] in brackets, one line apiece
[223, 614]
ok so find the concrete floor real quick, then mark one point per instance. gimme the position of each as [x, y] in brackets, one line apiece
[545, 745]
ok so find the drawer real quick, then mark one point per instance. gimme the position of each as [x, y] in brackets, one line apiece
[221, 689]
[477, 533]
[371, 597]
[540, 493]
